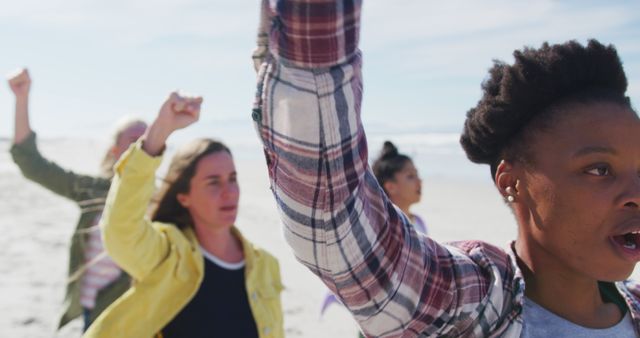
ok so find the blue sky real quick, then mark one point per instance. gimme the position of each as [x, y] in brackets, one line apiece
[93, 61]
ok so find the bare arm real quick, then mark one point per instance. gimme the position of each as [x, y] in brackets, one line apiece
[20, 84]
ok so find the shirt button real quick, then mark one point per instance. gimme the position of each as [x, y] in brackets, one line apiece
[254, 296]
[266, 330]
[256, 114]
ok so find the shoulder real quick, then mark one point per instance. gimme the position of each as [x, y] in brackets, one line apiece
[262, 260]
[181, 238]
[630, 291]
[484, 254]
[98, 185]
[479, 246]
[262, 255]
[632, 288]
[419, 223]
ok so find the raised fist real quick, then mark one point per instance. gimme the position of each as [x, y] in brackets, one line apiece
[179, 111]
[20, 82]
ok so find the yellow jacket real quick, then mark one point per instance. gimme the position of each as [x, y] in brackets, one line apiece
[166, 263]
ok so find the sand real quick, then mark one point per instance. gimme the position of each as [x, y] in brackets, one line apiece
[36, 227]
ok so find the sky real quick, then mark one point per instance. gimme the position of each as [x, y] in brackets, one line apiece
[94, 61]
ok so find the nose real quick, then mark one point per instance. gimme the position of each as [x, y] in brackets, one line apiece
[632, 193]
[230, 189]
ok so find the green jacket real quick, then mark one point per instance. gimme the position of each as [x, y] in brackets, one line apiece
[89, 193]
[166, 263]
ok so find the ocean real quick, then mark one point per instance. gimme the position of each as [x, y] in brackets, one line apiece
[436, 154]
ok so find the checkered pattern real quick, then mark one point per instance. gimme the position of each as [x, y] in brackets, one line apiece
[340, 224]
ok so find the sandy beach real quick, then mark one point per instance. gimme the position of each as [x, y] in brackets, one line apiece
[36, 227]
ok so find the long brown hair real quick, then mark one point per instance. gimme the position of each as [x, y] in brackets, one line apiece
[167, 208]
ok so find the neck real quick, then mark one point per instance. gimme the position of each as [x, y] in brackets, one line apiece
[220, 242]
[570, 295]
[405, 209]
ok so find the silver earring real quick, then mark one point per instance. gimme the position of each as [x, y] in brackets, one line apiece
[510, 199]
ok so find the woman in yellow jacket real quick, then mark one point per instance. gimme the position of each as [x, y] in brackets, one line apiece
[194, 274]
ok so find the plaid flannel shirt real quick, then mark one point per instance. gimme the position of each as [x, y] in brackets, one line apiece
[340, 224]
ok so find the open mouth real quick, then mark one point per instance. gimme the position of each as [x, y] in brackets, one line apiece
[630, 240]
[629, 244]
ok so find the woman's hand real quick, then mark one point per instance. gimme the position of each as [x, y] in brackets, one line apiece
[20, 83]
[177, 112]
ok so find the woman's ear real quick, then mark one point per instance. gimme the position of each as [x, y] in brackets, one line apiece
[390, 187]
[183, 199]
[506, 181]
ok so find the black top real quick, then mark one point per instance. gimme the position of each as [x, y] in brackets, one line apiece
[220, 308]
[610, 294]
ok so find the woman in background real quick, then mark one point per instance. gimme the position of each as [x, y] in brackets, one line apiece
[194, 274]
[399, 178]
[94, 279]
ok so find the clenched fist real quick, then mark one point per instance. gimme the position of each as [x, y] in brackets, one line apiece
[20, 82]
[177, 112]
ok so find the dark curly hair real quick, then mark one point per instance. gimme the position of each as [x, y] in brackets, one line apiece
[388, 163]
[521, 99]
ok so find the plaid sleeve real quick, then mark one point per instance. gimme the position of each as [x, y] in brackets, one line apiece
[310, 33]
[336, 217]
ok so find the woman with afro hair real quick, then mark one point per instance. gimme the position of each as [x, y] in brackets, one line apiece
[562, 141]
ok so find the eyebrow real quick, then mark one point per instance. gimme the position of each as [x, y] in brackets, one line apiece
[218, 176]
[594, 150]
